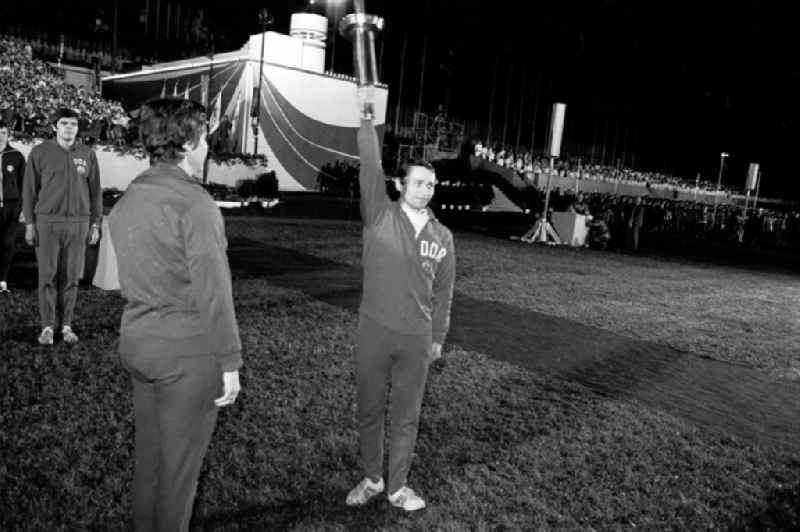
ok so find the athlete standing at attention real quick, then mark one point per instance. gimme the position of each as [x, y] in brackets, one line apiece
[409, 270]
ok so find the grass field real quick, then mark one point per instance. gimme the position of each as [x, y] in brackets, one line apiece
[500, 448]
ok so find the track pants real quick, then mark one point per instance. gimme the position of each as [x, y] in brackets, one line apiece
[175, 414]
[60, 254]
[382, 354]
[9, 220]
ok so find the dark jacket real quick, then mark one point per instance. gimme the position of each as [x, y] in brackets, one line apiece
[61, 184]
[12, 165]
[408, 280]
[169, 237]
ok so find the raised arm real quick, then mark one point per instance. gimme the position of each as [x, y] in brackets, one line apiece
[371, 179]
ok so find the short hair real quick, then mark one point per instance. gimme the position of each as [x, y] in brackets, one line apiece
[63, 112]
[3, 125]
[166, 124]
[406, 165]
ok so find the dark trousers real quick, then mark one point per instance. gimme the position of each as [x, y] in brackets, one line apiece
[382, 354]
[60, 254]
[174, 411]
[9, 221]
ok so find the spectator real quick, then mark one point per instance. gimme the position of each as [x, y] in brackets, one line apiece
[579, 206]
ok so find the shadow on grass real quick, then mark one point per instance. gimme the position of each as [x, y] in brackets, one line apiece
[324, 507]
[734, 399]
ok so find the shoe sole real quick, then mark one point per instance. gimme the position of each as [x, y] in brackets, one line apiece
[405, 510]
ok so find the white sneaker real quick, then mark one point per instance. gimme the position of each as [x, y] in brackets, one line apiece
[406, 499]
[46, 338]
[4, 288]
[69, 336]
[366, 489]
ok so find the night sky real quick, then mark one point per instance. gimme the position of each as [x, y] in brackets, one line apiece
[662, 85]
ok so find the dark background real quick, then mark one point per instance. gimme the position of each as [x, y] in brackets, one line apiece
[662, 85]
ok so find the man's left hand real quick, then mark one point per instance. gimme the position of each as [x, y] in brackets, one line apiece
[94, 235]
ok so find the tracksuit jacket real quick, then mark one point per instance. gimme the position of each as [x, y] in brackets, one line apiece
[12, 172]
[408, 280]
[169, 237]
[62, 185]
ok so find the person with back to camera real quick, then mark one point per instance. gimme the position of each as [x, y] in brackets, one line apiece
[179, 339]
[409, 271]
[62, 205]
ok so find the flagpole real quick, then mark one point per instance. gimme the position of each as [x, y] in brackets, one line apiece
[605, 142]
[400, 83]
[491, 101]
[535, 111]
[422, 73]
[158, 18]
[265, 19]
[114, 38]
[508, 103]
[521, 107]
[169, 21]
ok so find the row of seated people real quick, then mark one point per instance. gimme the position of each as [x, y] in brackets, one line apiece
[526, 163]
[687, 219]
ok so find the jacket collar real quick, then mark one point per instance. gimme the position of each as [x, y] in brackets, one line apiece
[173, 171]
[431, 217]
[71, 149]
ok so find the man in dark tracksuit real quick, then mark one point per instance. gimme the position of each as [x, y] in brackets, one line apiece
[178, 338]
[12, 171]
[62, 206]
[409, 270]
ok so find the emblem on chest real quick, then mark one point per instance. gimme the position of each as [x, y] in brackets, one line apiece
[431, 250]
[80, 166]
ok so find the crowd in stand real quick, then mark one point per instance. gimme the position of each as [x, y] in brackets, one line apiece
[527, 164]
[31, 90]
[79, 52]
[610, 214]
